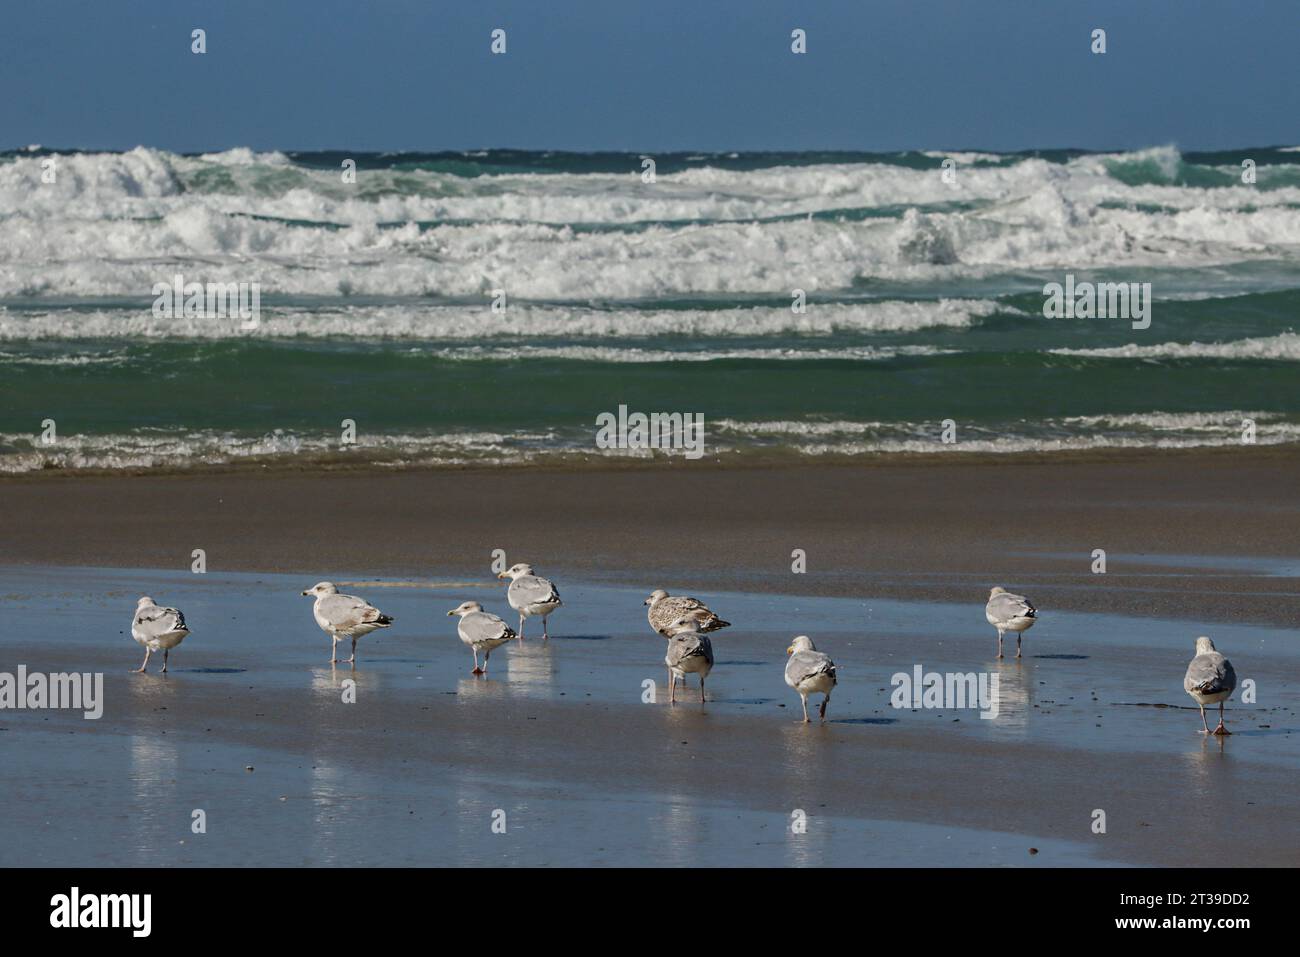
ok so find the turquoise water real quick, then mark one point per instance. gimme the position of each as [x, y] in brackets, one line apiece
[923, 301]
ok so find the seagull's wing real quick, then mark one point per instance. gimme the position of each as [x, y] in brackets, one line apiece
[531, 590]
[668, 610]
[808, 664]
[1006, 606]
[689, 645]
[1210, 674]
[349, 611]
[482, 626]
[154, 622]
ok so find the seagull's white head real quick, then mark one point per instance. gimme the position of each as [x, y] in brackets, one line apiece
[687, 623]
[1204, 646]
[655, 595]
[997, 590]
[801, 643]
[322, 588]
[144, 600]
[518, 571]
[465, 608]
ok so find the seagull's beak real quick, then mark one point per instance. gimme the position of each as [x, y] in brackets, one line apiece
[790, 650]
[503, 575]
[450, 613]
[646, 602]
[306, 593]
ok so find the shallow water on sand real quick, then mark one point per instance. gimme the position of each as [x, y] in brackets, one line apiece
[371, 783]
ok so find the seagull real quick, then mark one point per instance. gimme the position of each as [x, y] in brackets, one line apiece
[530, 595]
[481, 631]
[157, 629]
[689, 652]
[1008, 612]
[666, 609]
[1210, 678]
[344, 616]
[809, 671]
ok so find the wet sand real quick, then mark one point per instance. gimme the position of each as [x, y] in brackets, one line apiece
[938, 530]
[899, 560]
[560, 739]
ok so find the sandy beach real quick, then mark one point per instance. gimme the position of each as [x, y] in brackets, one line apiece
[930, 530]
[899, 561]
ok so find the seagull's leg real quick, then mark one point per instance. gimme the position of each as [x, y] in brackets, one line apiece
[1203, 721]
[1019, 635]
[825, 701]
[701, 689]
[334, 652]
[521, 626]
[672, 688]
[545, 636]
[1221, 729]
[165, 652]
[477, 670]
[353, 659]
[804, 698]
[147, 653]
[999, 642]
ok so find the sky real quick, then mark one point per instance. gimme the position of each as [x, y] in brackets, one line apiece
[650, 75]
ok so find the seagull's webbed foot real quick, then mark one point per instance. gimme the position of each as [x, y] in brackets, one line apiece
[1221, 729]
[478, 671]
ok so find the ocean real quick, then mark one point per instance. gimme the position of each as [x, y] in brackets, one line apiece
[922, 315]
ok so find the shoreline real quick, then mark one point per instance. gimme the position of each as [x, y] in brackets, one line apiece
[581, 462]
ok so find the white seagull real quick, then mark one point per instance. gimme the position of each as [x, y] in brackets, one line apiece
[1008, 612]
[1210, 679]
[530, 595]
[689, 652]
[809, 672]
[481, 630]
[666, 609]
[158, 629]
[344, 616]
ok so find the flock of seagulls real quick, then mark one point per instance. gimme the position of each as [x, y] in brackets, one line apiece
[685, 622]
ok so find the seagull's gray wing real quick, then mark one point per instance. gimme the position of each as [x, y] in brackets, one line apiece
[808, 664]
[1006, 606]
[688, 645]
[154, 622]
[480, 627]
[344, 612]
[531, 590]
[1210, 674]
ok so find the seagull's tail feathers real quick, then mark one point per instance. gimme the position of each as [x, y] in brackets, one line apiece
[714, 623]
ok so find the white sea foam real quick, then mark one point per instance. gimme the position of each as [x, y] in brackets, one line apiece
[1285, 346]
[478, 322]
[153, 449]
[113, 223]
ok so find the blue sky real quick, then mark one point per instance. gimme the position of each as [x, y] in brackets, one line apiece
[650, 75]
